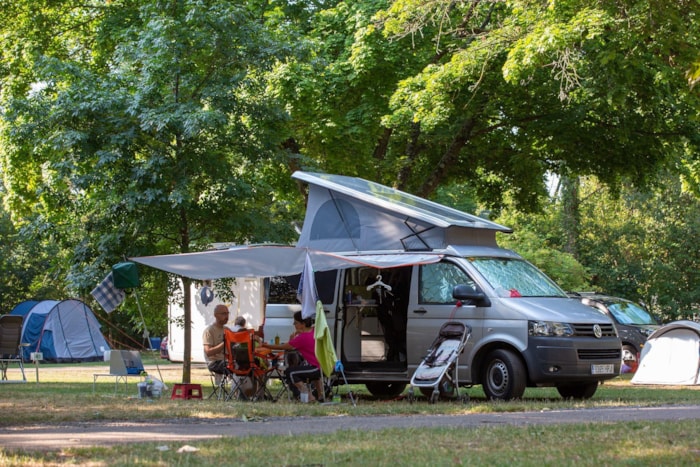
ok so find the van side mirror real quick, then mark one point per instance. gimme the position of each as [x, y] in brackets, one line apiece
[469, 295]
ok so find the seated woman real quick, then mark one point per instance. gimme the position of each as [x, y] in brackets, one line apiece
[308, 370]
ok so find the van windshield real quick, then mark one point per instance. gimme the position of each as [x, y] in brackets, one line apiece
[516, 278]
[630, 313]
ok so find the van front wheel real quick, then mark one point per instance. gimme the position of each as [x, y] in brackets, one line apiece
[385, 390]
[503, 377]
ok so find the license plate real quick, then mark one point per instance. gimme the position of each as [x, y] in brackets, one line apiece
[606, 369]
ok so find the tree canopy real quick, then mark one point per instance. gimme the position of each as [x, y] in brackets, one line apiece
[495, 94]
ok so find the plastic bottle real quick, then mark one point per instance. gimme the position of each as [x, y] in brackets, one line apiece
[149, 386]
[277, 340]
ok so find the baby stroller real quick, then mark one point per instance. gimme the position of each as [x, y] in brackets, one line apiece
[438, 370]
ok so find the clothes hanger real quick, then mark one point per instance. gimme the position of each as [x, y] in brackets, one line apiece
[379, 283]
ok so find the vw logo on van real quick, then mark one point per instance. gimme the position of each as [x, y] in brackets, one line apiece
[597, 331]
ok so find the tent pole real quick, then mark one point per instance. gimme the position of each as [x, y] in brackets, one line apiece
[146, 334]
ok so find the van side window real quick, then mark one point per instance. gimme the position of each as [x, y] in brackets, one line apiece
[283, 290]
[437, 281]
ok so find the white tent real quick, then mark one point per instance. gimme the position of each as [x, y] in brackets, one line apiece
[671, 356]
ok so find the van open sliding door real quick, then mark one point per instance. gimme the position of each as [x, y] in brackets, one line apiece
[373, 330]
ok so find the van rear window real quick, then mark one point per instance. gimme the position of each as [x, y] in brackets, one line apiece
[283, 289]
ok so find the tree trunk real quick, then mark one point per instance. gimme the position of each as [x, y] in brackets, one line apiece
[382, 145]
[412, 151]
[448, 159]
[187, 355]
[570, 213]
[186, 283]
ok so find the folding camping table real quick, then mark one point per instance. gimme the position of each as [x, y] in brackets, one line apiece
[122, 364]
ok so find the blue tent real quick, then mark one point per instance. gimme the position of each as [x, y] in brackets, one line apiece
[64, 331]
[24, 307]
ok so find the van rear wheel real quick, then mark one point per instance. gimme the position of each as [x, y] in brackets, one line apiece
[385, 390]
[503, 376]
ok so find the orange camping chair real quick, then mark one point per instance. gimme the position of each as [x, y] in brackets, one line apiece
[249, 381]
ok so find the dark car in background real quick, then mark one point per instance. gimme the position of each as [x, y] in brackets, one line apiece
[633, 322]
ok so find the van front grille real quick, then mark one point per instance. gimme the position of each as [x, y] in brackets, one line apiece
[586, 330]
[599, 354]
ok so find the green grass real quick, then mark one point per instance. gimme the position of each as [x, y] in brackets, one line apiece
[65, 393]
[635, 443]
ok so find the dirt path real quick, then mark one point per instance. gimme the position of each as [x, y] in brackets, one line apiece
[59, 436]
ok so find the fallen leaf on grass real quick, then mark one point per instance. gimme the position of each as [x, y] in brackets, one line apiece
[187, 448]
[251, 419]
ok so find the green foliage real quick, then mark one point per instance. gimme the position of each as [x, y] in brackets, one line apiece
[458, 196]
[26, 266]
[636, 244]
[159, 140]
[423, 94]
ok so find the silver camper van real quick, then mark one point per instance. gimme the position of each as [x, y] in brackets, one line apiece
[444, 264]
[525, 330]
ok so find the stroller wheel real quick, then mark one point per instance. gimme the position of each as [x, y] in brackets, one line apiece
[434, 396]
[464, 398]
[411, 396]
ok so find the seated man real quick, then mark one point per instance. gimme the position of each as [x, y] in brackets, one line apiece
[309, 370]
[213, 339]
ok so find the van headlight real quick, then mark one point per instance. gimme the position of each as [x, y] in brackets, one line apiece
[549, 329]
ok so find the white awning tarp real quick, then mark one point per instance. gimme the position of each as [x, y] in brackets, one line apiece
[270, 261]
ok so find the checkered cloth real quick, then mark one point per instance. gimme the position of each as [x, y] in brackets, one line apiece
[107, 295]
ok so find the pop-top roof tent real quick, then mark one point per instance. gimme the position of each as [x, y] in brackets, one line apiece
[349, 222]
[352, 214]
[671, 356]
[64, 331]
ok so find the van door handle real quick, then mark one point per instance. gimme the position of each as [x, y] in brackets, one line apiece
[420, 311]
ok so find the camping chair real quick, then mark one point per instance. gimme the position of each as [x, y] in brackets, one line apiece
[219, 386]
[249, 374]
[294, 359]
[275, 371]
[10, 346]
[268, 364]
